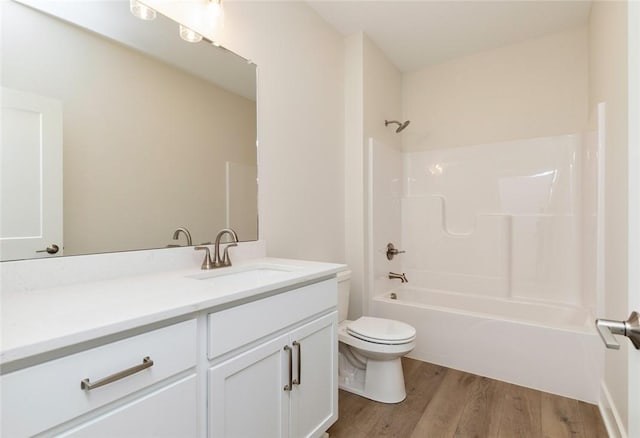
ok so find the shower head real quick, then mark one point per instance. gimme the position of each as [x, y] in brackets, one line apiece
[401, 126]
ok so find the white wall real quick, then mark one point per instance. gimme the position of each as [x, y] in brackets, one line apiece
[382, 99]
[608, 83]
[536, 88]
[354, 173]
[300, 118]
[373, 95]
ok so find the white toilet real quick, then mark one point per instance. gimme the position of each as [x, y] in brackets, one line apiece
[370, 350]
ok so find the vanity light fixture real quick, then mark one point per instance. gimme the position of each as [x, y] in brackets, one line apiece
[213, 11]
[141, 11]
[189, 35]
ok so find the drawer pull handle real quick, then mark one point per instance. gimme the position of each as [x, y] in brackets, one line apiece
[88, 386]
[299, 379]
[289, 386]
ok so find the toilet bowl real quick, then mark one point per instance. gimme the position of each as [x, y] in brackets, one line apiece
[370, 352]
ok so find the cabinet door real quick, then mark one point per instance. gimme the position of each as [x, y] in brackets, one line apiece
[168, 412]
[314, 399]
[247, 396]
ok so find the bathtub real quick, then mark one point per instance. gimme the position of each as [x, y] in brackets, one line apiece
[550, 348]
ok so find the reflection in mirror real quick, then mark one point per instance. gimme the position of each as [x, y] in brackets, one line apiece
[119, 135]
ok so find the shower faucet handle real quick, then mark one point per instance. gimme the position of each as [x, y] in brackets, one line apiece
[629, 328]
[392, 251]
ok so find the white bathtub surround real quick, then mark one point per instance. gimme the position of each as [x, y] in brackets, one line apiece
[495, 248]
[499, 219]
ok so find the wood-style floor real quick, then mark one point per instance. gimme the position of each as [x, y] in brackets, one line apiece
[443, 402]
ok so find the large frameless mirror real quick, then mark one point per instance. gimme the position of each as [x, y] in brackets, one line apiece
[116, 133]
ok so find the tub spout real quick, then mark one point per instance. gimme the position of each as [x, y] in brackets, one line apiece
[402, 277]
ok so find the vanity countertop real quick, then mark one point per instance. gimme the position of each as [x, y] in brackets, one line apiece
[43, 320]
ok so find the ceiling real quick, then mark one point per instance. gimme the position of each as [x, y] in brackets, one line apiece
[414, 34]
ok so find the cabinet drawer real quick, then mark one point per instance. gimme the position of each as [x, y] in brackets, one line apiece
[238, 326]
[53, 391]
[169, 412]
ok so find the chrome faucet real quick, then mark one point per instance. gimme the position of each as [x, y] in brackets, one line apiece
[225, 261]
[186, 232]
[402, 277]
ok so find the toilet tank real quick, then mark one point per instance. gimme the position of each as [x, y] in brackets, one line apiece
[344, 284]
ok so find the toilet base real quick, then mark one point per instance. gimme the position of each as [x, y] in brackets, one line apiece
[381, 380]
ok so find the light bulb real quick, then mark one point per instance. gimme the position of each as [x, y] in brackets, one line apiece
[215, 6]
[141, 11]
[189, 35]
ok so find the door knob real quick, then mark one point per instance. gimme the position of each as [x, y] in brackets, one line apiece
[51, 249]
[629, 328]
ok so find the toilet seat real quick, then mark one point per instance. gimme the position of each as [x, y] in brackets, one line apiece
[381, 331]
[373, 348]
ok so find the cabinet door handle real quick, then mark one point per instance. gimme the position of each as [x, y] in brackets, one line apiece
[88, 386]
[299, 379]
[289, 386]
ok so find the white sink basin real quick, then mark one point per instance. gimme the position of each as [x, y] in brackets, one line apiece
[260, 272]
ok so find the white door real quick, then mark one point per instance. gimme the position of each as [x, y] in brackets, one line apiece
[314, 397]
[30, 176]
[634, 209]
[247, 396]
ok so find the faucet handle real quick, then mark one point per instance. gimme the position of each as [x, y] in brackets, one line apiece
[206, 263]
[226, 260]
[392, 251]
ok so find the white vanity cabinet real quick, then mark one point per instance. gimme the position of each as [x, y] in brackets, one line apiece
[282, 382]
[263, 364]
[50, 397]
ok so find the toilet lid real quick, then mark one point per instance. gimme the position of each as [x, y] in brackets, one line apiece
[381, 331]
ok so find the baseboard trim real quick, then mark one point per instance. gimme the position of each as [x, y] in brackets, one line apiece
[610, 415]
